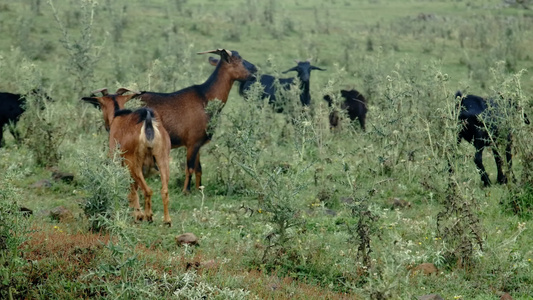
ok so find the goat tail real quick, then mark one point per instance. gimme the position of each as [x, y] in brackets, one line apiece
[149, 130]
[458, 94]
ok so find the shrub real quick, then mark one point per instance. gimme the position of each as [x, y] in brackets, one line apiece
[44, 135]
[106, 183]
[14, 229]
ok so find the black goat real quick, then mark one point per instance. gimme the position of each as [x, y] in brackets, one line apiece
[268, 84]
[355, 105]
[304, 69]
[11, 108]
[479, 119]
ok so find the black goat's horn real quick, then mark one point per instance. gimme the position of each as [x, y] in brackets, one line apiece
[224, 54]
[291, 69]
[317, 68]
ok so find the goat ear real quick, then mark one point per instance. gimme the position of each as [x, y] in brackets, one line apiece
[291, 69]
[92, 100]
[317, 68]
[213, 61]
[225, 55]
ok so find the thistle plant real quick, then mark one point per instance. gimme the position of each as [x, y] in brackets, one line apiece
[106, 183]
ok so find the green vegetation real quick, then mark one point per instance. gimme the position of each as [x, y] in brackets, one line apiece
[289, 209]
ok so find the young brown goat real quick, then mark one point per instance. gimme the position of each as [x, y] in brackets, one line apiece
[141, 139]
[183, 112]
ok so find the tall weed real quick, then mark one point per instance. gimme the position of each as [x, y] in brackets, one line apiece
[106, 183]
[14, 230]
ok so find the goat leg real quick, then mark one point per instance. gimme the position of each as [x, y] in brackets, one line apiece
[478, 160]
[499, 162]
[133, 198]
[198, 171]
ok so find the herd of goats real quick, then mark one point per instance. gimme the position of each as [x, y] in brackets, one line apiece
[171, 120]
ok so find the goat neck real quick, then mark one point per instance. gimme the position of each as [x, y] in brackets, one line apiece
[219, 84]
[305, 97]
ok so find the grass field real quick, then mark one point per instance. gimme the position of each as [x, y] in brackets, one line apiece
[289, 208]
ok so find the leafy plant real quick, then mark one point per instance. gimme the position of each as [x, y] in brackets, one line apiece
[43, 136]
[83, 54]
[14, 229]
[106, 183]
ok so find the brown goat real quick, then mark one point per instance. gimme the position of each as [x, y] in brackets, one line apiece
[183, 112]
[141, 139]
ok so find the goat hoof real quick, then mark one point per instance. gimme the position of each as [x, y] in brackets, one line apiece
[139, 217]
[486, 182]
[168, 223]
[502, 180]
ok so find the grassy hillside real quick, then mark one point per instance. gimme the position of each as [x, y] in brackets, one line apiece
[289, 208]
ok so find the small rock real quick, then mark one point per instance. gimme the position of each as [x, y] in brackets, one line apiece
[187, 238]
[347, 200]
[194, 265]
[431, 297]
[506, 296]
[60, 176]
[308, 211]
[285, 166]
[3, 239]
[274, 284]
[426, 269]
[398, 203]
[330, 212]
[45, 183]
[209, 264]
[425, 17]
[43, 213]
[200, 266]
[61, 214]
[26, 212]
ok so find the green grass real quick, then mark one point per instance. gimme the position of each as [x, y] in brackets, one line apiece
[271, 220]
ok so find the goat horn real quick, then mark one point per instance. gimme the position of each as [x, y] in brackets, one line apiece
[103, 91]
[217, 51]
[121, 91]
[317, 68]
[309, 60]
[297, 61]
[291, 69]
[204, 52]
